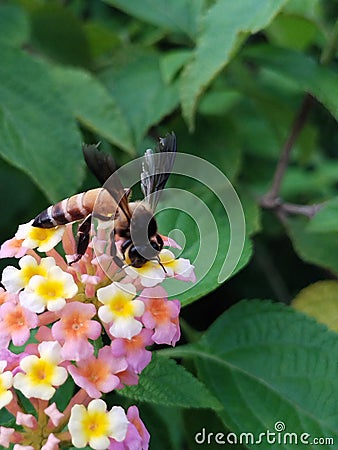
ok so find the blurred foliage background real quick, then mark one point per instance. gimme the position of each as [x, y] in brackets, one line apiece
[230, 78]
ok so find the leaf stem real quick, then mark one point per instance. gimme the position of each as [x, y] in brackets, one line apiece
[271, 200]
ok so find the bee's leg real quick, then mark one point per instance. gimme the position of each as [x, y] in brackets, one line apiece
[117, 260]
[83, 233]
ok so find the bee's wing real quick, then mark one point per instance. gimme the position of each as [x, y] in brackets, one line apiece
[103, 166]
[157, 167]
[100, 163]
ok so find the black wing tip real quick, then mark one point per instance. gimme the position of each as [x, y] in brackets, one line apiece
[168, 143]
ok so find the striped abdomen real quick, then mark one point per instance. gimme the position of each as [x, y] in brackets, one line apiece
[75, 208]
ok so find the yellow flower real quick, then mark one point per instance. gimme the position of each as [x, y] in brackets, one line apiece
[41, 373]
[120, 308]
[50, 291]
[95, 425]
[6, 381]
[44, 239]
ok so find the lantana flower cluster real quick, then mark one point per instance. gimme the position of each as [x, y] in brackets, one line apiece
[62, 322]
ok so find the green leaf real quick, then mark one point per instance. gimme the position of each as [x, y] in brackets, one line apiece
[302, 70]
[14, 25]
[326, 219]
[136, 83]
[292, 31]
[267, 363]
[178, 16]
[93, 106]
[58, 33]
[166, 383]
[30, 139]
[225, 27]
[314, 248]
[172, 62]
[320, 300]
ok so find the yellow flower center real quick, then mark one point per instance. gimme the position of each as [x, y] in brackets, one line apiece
[50, 289]
[2, 387]
[41, 372]
[41, 234]
[121, 305]
[95, 424]
[28, 272]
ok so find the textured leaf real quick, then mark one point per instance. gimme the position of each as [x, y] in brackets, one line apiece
[326, 219]
[268, 363]
[179, 16]
[137, 85]
[302, 70]
[14, 25]
[93, 106]
[31, 106]
[315, 248]
[224, 28]
[164, 382]
[320, 300]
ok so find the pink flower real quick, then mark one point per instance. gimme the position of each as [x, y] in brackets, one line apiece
[75, 328]
[12, 248]
[161, 315]
[54, 414]
[97, 375]
[137, 437]
[12, 359]
[6, 296]
[134, 350]
[52, 443]
[6, 436]
[15, 323]
[26, 420]
[128, 377]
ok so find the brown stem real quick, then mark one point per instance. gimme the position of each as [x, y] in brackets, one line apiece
[271, 197]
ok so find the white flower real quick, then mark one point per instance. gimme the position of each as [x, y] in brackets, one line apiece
[44, 239]
[120, 308]
[153, 273]
[16, 279]
[95, 425]
[48, 292]
[41, 373]
[6, 381]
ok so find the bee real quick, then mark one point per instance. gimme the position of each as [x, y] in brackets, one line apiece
[134, 222]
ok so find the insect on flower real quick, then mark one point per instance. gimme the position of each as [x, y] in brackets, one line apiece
[134, 222]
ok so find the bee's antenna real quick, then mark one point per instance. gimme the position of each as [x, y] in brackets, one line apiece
[159, 262]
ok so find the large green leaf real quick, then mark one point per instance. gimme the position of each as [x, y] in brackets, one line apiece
[302, 70]
[14, 25]
[166, 383]
[326, 219]
[136, 83]
[179, 16]
[267, 363]
[315, 248]
[225, 26]
[93, 106]
[38, 132]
